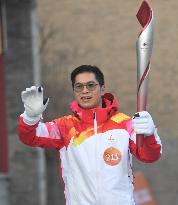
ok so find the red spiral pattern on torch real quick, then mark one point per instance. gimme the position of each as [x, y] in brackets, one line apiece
[144, 76]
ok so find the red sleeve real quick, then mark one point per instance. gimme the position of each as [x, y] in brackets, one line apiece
[45, 135]
[150, 151]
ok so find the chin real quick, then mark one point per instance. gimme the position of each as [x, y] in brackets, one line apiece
[86, 106]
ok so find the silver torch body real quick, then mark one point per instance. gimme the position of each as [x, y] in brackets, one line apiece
[144, 46]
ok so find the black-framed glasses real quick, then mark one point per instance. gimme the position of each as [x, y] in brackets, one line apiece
[91, 85]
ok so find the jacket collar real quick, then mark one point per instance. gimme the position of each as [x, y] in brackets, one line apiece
[102, 114]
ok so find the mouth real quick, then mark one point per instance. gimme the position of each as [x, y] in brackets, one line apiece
[86, 98]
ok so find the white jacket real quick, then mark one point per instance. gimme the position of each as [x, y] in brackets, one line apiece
[96, 148]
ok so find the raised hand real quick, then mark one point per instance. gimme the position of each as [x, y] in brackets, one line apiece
[34, 104]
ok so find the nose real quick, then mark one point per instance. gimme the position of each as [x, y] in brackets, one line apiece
[85, 90]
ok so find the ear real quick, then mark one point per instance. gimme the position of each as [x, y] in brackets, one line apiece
[102, 89]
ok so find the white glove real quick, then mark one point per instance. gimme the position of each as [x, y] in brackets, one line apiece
[142, 123]
[33, 103]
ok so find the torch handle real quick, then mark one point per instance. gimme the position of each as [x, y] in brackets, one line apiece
[139, 140]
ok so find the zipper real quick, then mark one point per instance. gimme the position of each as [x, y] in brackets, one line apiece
[95, 123]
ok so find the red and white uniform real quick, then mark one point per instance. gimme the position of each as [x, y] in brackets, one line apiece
[95, 149]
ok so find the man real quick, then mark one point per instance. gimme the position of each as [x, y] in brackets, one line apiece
[95, 142]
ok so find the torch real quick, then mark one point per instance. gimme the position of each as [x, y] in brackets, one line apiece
[144, 46]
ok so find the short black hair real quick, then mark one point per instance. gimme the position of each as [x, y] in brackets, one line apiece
[90, 69]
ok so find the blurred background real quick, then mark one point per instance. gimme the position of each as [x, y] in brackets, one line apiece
[43, 41]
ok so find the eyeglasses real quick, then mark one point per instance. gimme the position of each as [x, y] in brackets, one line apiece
[91, 85]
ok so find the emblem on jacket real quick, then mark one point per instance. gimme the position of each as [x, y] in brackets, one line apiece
[111, 139]
[112, 156]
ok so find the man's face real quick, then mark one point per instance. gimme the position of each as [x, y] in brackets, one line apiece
[88, 97]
